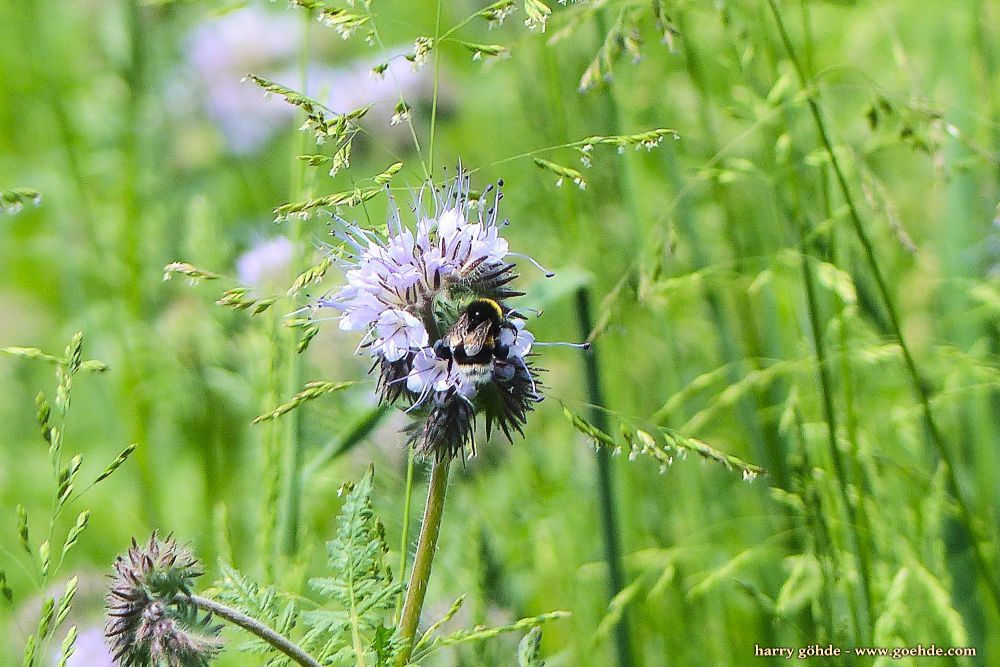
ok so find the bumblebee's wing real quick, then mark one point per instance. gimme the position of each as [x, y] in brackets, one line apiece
[475, 340]
[456, 334]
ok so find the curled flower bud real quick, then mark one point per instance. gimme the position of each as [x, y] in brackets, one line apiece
[433, 305]
[150, 619]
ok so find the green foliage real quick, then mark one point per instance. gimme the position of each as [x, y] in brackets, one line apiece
[529, 649]
[362, 586]
[44, 564]
[354, 625]
[263, 604]
[697, 254]
[361, 592]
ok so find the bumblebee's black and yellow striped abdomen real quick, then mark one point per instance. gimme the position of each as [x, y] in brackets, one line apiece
[473, 342]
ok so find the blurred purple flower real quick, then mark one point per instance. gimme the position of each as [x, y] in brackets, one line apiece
[221, 51]
[266, 261]
[90, 650]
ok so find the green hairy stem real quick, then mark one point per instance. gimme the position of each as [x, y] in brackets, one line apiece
[424, 558]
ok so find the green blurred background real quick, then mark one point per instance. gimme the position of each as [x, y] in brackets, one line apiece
[130, 119]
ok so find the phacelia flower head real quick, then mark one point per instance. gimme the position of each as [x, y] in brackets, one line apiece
[433, 305]
[150, 621]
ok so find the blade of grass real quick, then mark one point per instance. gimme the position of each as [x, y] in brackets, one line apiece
[920, 384]
[605, 483]
[292, 501]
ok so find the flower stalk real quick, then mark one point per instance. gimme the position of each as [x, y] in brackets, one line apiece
[430, 528]
[256, 628]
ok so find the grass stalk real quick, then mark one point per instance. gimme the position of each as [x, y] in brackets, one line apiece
[920, 385]
[404, 540]
[292, 501]
[605, 483]
[273, 488]
[856, 514]
[860, 522]
[132, 227]
[256, 628]
[132, 232]
[434, 101]
[766, 443]
[819, 529]
[430, 528]
[626, 184]
[862, 627]
[605, 479]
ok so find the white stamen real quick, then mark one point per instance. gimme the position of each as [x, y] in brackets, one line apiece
[548, 274]
[579, 346]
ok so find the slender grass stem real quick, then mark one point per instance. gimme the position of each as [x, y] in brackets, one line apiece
[132, 227]
[766, 442]
[292, 502]
[820, 531]
[920, 385]
[256, 628]
[270, 519]
[830, 417]
[626, 184]
[292, 497]
[605, 483]
[404, 540]
[416, 590]
[434, 101]
[856, 513]
[859, 514]
[859, 521]
[131, 235]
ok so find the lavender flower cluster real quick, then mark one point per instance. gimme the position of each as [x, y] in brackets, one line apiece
[407, 290]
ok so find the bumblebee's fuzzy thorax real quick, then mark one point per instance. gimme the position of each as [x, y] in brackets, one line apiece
[472, 345]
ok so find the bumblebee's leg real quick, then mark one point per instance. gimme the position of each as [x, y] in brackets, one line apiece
[442, 351]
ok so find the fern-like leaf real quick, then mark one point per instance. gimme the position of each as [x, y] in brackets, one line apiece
[362, 585]
[262, 604]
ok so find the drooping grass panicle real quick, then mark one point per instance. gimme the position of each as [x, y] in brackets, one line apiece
[660, 443]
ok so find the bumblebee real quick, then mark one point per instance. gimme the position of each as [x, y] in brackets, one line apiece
[473, 344]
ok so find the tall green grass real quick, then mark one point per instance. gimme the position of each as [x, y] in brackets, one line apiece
[805, 279]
